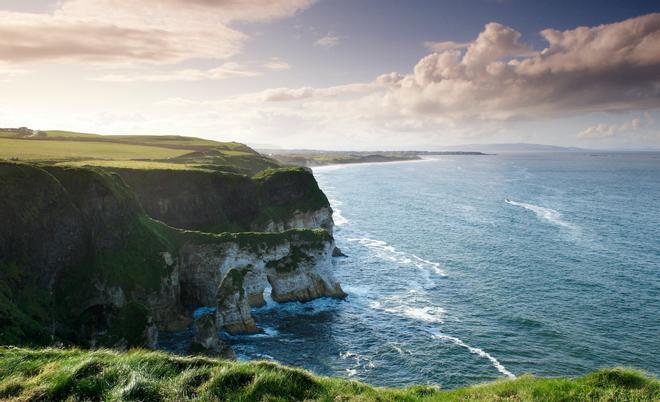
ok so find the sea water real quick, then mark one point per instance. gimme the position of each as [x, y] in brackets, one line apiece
[463, 269]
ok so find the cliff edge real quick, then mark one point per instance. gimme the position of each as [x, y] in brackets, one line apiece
[109, 254]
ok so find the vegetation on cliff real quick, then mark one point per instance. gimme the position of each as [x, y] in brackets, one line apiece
[80, 260]
[76, 375]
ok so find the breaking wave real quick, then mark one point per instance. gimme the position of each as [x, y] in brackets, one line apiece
[387, 252]
[544, 213]
[399, 307]
[477, 351]
[360, 362]
[339, 219]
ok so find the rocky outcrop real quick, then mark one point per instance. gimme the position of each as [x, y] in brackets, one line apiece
[206, 339]
[233, 277]
[319, 218]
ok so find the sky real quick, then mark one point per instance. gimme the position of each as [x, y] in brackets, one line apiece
[337, 74]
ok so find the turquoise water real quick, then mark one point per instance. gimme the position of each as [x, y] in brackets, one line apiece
[449, 283]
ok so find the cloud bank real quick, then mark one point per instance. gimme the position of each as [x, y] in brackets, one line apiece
[496, 77]
[124, 31]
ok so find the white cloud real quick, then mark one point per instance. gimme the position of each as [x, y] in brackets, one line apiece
[478, 89]
[496, 77]
[123, 31]
[8, 72]
[293, 94]
[602, 130]
[277, 64]
[604, 68]
[327, 41]
[447, 45]
[224, 71]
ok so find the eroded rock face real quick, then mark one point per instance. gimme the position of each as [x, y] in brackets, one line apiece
[318, 219]
[304, 274]
[206, 338]
[233, 305]
[234, 278]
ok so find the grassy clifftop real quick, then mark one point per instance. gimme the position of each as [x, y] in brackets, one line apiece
[76, 375]
[131, 151]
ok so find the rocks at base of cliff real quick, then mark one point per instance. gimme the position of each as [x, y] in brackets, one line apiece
[206, 340]
[233, 277]
[338, 253]
[233, 306]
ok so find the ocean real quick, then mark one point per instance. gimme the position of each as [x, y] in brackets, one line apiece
[464, 269]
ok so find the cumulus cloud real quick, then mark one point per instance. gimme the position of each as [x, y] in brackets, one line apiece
[477, 88]
[447, 45]
[129, 31]
[604, 68]
[327, 41]
[602, 130]
[496, 77]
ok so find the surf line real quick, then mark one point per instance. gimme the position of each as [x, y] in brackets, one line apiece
[456, 341]
[549, 214]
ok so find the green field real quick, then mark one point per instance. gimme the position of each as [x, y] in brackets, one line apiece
[57, 150]
[134, 164]
[77, 375]
[165, 152]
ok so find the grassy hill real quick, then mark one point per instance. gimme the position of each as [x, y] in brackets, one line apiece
[76, 375]
[130, 151]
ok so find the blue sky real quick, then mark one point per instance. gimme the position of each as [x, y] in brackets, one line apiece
[337, 74]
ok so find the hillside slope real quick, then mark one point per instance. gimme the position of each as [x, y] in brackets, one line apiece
[75, 375]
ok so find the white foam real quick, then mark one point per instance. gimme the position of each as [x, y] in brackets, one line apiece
[313, 307]
[547, 214]
[432, 314]
[476, 351]
[361, 362]
[268, 332]
[387, 252]
[396, 347]
[339, 219]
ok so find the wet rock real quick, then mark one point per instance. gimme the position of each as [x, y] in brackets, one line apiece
[206, 339]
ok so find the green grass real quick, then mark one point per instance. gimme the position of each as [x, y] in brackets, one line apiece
[58, 150]
[78, 375]
[68, 134]
[132, 164]
[165, 152]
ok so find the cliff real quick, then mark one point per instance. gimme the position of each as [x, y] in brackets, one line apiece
[84, 262]
[215, 201]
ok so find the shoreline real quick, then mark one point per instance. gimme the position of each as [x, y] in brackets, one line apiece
[338, 165]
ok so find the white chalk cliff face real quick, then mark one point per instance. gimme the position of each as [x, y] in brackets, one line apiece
[320, 218]
[233, 278]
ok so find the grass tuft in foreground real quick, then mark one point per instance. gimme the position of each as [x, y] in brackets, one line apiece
[77, 375]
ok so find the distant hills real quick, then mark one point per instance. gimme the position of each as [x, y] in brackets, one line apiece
[511, 147]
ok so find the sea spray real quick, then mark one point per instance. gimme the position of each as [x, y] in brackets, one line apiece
[476, 351]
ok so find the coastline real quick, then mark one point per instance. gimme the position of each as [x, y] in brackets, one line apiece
[339, 165]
